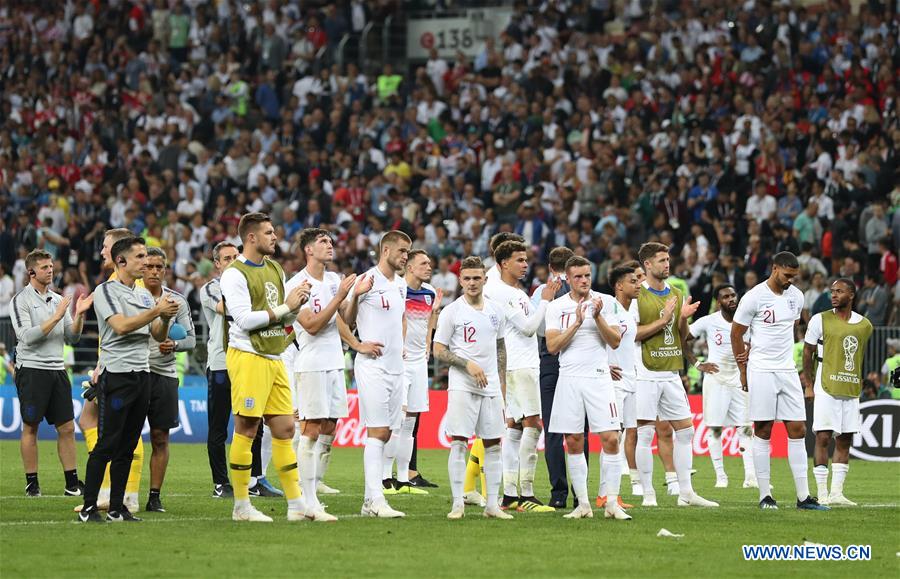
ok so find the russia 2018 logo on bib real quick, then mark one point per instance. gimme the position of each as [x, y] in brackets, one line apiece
[271, 295]
[249, 403]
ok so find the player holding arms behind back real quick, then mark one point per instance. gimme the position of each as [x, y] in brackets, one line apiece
[769, 311]
[725, 403]
[469, 338]
[838, 339]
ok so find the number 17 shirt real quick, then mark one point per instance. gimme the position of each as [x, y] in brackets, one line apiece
[472, 334]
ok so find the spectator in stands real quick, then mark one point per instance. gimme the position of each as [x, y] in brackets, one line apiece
[873, 299]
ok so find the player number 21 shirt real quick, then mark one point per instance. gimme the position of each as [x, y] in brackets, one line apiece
[771, 318]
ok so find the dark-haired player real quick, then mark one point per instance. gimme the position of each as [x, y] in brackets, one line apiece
[769, 311]
[837, 339]
[725, 403]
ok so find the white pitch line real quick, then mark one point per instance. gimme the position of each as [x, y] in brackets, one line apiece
[225, 519]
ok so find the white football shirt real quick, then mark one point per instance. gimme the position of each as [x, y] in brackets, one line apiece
[585, 356]
[472, 334]
[419, 305]
[380, 319]
[717, 332]
[771, 318]
[324, 351]
[623, 356]
[523, 318]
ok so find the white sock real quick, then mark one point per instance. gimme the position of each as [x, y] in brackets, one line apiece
[295, 441]
[404, 447]
[323, 455]
[622, 458]
[762, 457]
[297, 504]
[493, 469]
[265, 452]
[613, 466]
[601, 492]
[372, 459]
[746, 442]
[634, 475]
[253, 481]
[671, 478]
[838, 475]
[799, 462]
[241, 504]
[821, 474]
[683, 457]
[306, 463]
[390, 453]
[456, 465]
[715, 453]
[528, 459]
[643, 456]
[511, 462]
[578, 473]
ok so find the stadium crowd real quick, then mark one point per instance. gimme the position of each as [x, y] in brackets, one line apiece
[730, 130]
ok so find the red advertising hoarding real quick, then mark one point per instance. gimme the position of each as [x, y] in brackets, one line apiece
[431, 429]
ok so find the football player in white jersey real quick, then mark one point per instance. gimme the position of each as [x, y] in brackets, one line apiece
[770, 310]
[493, 273]
[422, 306]
[725, 403]
[377, 308]
[523, 392]
[838, 339]
[318, 365]
[469, 338]
[577, 329]
[624, 281]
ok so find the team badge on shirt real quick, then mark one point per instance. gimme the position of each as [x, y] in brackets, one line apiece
[249, 403]
[148, 302]
[427, 299]
[333, 289]
[495, 322]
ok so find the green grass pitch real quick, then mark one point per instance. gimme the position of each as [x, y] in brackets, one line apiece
[196, 537]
